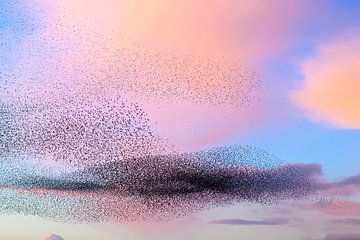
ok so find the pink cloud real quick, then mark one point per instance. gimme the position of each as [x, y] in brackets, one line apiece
[345, 187]
[336, 207]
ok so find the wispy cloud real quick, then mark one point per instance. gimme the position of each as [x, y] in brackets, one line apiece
[238, 221]
[351, 183]
[338, 236]
[347, 221]
[335, 207]
[344, 187]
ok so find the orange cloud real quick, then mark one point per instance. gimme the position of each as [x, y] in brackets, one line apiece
[331, 89]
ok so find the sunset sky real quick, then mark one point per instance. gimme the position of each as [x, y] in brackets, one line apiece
[280, 76]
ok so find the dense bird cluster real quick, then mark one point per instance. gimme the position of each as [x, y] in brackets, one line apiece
[150, 188]
[77, 132]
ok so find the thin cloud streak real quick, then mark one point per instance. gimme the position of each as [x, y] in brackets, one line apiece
[265, 222]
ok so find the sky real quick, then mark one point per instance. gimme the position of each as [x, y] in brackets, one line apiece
[263, 89]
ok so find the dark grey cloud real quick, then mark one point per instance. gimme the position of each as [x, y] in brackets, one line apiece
[341, 236]
[237, 221]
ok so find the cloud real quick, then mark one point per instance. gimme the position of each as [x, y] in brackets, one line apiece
[53, 237]
[341, 236]
[350, 181]
[331, 84]
[237, 221]
[335, 198]
[347, 221]
[345, 187]
[337, 207]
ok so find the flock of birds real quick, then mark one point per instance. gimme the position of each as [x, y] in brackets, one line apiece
[150, 188]
[77, 132]
[115, 167]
